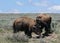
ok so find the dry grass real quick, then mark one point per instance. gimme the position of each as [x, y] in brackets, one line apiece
[8, 37]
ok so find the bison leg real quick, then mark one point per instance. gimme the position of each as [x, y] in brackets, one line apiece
[40, 30]
[49, 27]
[47, 30]
[28, 32]
[16, 29]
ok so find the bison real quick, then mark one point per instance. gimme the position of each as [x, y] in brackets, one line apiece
[26, 24]
[45, 21]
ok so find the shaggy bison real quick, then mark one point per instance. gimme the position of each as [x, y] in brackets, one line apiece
[25, 24]
[45, 21]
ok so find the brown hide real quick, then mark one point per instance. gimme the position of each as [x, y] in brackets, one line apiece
[44, 17]
[27, 20]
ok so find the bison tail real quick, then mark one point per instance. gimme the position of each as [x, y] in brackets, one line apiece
[14, 29]
[13, 25]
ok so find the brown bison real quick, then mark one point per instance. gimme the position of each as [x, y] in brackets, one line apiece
[25, 24]
[45, 21]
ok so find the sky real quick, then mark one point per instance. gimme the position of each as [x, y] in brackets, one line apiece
[29, 6]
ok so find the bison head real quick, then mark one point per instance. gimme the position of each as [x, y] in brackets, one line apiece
[36, 29]
[38, 20]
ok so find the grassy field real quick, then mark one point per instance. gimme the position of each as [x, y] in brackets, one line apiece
[7, 36]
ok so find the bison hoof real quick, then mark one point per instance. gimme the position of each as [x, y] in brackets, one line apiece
[45, 35]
